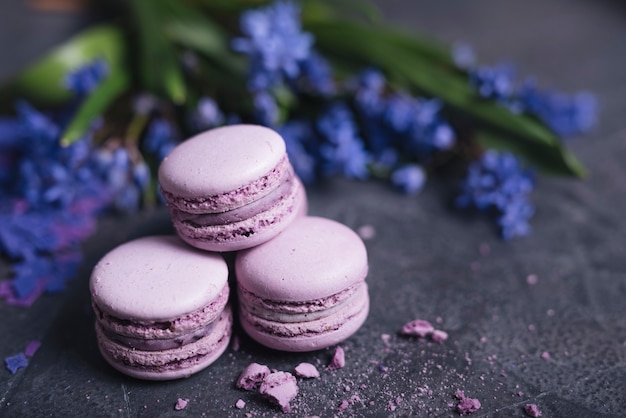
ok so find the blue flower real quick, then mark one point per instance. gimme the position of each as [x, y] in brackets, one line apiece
[567, 116]
[300, 148]
[318, 75]
[343, 151]
[463, 55]
[498, 183]
[369, 87]
[158, 141]
[118, 172]
[207, 114]
[265, 108]
[409, 178]
[494, 82]
[13, 363]
[275, 43]
[84, 79]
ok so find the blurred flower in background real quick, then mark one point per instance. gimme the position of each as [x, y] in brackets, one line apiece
[360, 100]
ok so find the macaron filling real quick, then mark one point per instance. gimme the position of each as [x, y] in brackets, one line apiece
[288, 206]
[164, 330]
[283, 311]
[233, 199]
[161, 343]
[174, 359]
[239, 214]
[325, 323]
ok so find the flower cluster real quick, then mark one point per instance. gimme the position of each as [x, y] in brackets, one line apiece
[565, 115]
[52, 194]
[498, 183]
[360, 123]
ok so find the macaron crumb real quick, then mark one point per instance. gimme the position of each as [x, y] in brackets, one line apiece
[280, 388]
[339, 359]
[532, 410]
[366, 232]
[306, 371]
[439, 336]
[240, 404]
[466, 405]
[181, 404]
[421, 328]
[252, 376]
[417, 328]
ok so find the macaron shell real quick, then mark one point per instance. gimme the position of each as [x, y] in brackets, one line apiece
[319, 334]
[312, 259]
[156, 278]
[247, 233]
[221, 160]
[169, 364]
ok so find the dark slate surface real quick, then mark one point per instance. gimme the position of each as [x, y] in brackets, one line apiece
[426, 261]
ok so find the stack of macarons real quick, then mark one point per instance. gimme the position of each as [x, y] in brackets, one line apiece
[162, 303]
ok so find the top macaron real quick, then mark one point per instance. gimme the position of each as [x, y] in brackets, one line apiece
[231, 188]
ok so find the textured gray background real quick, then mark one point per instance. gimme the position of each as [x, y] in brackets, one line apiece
[425, 262]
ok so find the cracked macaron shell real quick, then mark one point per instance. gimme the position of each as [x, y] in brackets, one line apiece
[157, 278]
[221, 160]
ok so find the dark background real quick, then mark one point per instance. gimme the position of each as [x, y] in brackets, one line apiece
[425, 262]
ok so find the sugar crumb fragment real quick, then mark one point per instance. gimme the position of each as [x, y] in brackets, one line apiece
[532, 410]
[307, 371]
[439, 336]
[366, 232]
[466, 406]
[252, 376]
[181, 404]
[417, 328]
[31, 348]
[339, 359]
[240, 404]
[280, 388]
[532, 279]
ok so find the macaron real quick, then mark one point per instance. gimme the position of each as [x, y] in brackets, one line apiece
[161, 308]
[231, 188]
[305, 289]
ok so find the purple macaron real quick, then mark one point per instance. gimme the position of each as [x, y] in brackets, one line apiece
[231, 188]
[305, 289]
[161, 308]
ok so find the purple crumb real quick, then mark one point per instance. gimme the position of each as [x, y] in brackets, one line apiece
[343, 405]
[181, 404]
[252, 376]
[439, 336]
[532, 279]
[466, 405]
[545, 355]
[339, 359]
[366, 232]
[280, 388]
[13, 363]
[417, 328]
[532, 410]
[240, 404]
[307, 371]
[31, 348]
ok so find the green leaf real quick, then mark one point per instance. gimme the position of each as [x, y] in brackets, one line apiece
[94, 105]
[43, 82]
[420, 68]
[158, 63]
[190, 29]
[549, 158]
